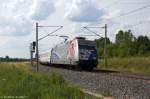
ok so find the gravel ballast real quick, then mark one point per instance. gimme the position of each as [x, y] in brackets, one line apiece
[105, 83]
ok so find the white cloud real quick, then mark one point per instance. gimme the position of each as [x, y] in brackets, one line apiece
[15, 28]
[15, 53]
[148, 19]
[83, 11]
[7, 30]
[3, 40]
[112, 14]
[14, 47]
[16, 16]
[42, 9]
[14, 20]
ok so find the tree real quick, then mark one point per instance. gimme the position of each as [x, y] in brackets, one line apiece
[101, 41]
[143, 45]
[100, 46]
[125, 43]
[119, 36]
[111, 50]
[7, 58]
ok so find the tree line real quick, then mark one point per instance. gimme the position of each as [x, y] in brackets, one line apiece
[125, 45]
[8, 59]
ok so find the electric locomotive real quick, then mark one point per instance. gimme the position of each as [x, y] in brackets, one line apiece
[79, 52]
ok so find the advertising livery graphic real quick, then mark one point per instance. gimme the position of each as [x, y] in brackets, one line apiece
[55, 56]
[72, 49]
[87, 53]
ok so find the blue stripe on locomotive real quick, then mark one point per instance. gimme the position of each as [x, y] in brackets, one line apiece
[54, 55]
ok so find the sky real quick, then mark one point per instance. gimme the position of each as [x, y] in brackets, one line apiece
[18, 18]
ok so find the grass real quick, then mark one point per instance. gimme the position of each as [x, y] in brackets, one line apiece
[17, 80]
[129, 64]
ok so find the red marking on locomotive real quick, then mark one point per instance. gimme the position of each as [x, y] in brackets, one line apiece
[72, 49]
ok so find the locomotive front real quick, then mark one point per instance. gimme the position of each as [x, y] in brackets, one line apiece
[88, 58]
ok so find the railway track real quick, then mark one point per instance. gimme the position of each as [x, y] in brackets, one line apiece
[120, 85]
[124, 74]
[113, 73]
[133, 76]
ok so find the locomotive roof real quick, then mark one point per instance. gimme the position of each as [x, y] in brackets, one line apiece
[83, 38]
[86, 42]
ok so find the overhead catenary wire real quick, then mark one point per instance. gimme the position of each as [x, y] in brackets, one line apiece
[133, 2]
[136, 24]
[107, 6]
[48, 47]
[92, 31]
[112, 3]
[135, 10]
[125, 14]
[50, 26]
[87, 26]
[60, 27]
[128, 13]
[87, 35]
[37, 42]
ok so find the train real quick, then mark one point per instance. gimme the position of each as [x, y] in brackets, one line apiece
[79, 53]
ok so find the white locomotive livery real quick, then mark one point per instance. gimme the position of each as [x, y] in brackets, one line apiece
[78, 52]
